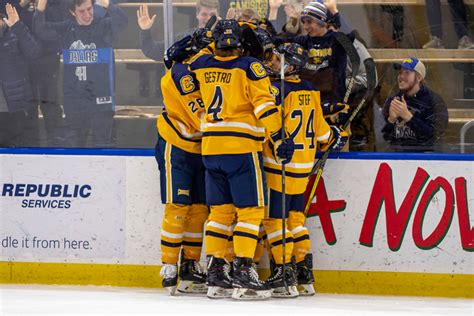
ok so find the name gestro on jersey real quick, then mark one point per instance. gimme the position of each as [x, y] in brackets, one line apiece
[89, 61]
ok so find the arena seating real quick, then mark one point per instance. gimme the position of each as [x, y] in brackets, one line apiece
[138, 114]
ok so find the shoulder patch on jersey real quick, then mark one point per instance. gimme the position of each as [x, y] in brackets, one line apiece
[187, 84]
[257, 69]
[274, 91]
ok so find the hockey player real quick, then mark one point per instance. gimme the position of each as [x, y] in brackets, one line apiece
[307, 127]
[239, 108]
[88, 83]
[178, 153]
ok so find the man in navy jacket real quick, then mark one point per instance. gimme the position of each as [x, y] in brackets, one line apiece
[89, 65]
[416, 117]
[17, 47]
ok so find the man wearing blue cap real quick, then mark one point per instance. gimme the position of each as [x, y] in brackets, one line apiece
[416, 117]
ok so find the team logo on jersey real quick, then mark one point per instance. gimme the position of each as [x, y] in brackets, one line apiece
[258, 70]
[80, 45]
[187, 84]
[274, 91]
[318, 56]
[183, 192]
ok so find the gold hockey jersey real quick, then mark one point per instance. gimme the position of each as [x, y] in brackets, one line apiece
[239, 106]
[305, 124]
[180, 123]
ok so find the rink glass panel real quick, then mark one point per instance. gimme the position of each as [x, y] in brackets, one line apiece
[139, 100]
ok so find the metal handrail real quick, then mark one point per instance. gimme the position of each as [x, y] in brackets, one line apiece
[463, 132]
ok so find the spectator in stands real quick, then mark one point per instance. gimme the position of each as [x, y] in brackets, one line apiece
[327, 58]
[245, 15]
[17, 47]
[44, 75]
[416, 117]
[88, 80]
[458, 14]
[362, 127]
[293, 9]
[266, 9]
[204, 10]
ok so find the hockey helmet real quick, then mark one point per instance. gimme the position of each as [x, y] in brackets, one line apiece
[227, 34]
[257, 43]
[295, 55]
[179, 51]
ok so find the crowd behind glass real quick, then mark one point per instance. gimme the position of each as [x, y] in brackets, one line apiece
[43, 43]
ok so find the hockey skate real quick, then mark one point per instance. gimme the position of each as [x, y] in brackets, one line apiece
[169, 273]
[192, 279]
[218, 281]
[247, 285]
[304, 272]
[277, 280]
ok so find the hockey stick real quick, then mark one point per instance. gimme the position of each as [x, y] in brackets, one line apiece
[319, 165]
[210, 23]
[283, 173]
[354, 58]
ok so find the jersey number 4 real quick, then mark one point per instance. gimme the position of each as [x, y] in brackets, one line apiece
[309, 130]
[216, 105]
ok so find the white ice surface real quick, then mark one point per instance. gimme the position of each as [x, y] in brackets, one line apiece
[89, 300]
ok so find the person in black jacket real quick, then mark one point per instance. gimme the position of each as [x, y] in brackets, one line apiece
[416, 117]
[17, 47]
[327, 57]
[89, 66]
[44, 76]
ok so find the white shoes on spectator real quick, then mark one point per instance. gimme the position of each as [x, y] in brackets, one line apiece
[465, 43]
[435, 42]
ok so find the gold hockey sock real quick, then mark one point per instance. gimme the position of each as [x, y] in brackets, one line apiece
[260, 245]
[246, 231]
[301, 239]
[273, 228]
[193, 231]
[172, 228]
[218, 229]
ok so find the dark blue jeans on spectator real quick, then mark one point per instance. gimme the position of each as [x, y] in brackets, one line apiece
[12, 129]
[44, 75]
[98, 124]
[458, 14]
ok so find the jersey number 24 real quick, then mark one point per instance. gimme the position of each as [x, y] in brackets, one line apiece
[308, 130]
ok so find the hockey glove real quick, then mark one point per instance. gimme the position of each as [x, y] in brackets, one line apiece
[337, 140]
[336, 114]
[285, 150]
[178, 52]
[282, 149]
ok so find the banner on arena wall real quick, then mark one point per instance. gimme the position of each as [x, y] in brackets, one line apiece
[402, 216]
[369, 215]
[62, 208]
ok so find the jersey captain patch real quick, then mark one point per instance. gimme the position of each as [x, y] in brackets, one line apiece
[187, 84]
[258, 70]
